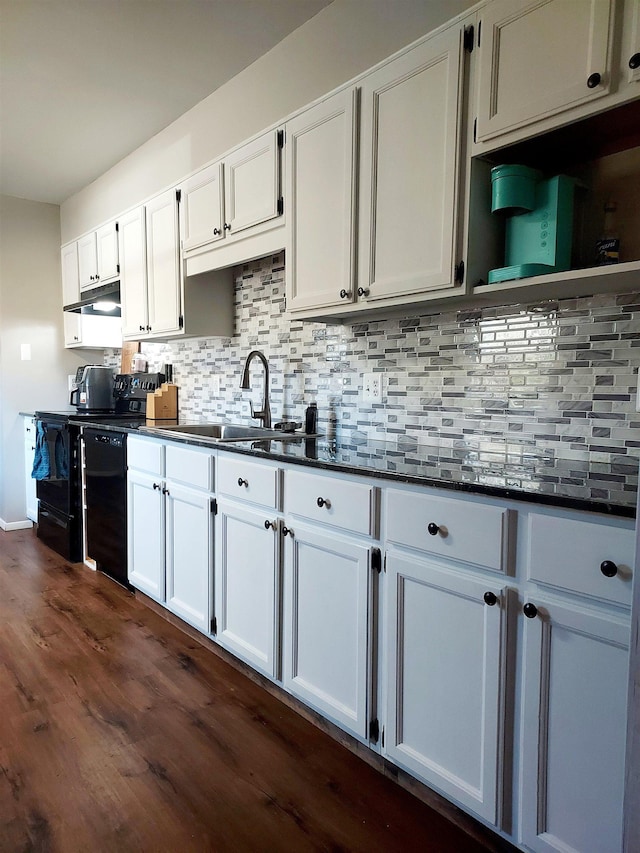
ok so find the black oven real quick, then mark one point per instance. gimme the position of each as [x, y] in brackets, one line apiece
[58, 485]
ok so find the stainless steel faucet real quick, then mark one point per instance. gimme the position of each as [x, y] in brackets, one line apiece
[264, 414]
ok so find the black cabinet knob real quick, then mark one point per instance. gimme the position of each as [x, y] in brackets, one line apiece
[490, 598]
[594, 80]
[608, 568]
[156, 486]
[142, 329]
[287, 531]
[268, 525]
[345, 294]
[242, 482]
[324, 502]
[165, 491]
[530, 610]
[363, 291]
[634, 62]
[216, 231]
[433, 528]
[227, 227]
[148, 328]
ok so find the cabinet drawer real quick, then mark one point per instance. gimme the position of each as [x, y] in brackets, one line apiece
[568, 553]
[341, 503]
[145, 454]
[461, 530]
[189, 465]
[249, 481]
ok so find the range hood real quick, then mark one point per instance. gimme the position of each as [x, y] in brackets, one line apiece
[103, 300]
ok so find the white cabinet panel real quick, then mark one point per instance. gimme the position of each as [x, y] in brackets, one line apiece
[327, 644]
[573, 730]
[346, 504]
[192, 466]
[202, 208]
[189, 562]
[242, 479]
[631, 44]
[409, 170]
[88, 261]
[107, 249]
[445, 658]
[530, 69]
[251, 183]
[133, 281]
[145, 515]
[321, 172]
[70, 274]
[247, 584]
[146, 454]
[164, 280]
[31, 500]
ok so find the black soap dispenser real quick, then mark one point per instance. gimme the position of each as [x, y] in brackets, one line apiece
[311, 419]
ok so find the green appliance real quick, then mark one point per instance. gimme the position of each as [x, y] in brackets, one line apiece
[539, 221]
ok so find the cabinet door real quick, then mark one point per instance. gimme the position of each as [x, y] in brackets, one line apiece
[252, 184]
[31, 501]
[327, 625]
[70, 274]
[631, 45]
[88, 261]
[133, 277]
[163, 263]
[72, 329]
[321, 145]
[201, 208]
[573, 730]
[188, 554]
[530, 68]
[145, 516]
[409, 170]
[107, 248]
[247, 584]
[444, 692]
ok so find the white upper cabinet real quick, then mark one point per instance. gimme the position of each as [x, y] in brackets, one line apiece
[107, 249]
[538, 58]
[88, 261]
[133, 284]
[203, 208]
[234, 196]
[630, 54]
[70, 274]
[410, 150]
[163, 263]
[321, 172]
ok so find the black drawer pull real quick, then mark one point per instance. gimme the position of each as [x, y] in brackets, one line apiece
[490, 598]
[287, 531]
[269, 525]
[608, 568]
[324, 502]
[242, 482]
[530, 610]
[594, 80]
[433, 528]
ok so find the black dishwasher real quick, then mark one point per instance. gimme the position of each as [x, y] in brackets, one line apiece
[105, 478]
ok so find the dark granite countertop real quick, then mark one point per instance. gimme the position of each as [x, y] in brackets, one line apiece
[500, 470]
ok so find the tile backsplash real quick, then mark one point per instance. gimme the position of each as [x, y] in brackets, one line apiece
[557, 378]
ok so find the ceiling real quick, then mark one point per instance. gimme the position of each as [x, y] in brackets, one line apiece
[85, 82]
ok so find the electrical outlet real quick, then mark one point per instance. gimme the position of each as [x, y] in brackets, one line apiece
[372, 387]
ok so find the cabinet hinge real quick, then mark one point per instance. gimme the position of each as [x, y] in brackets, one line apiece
[281, 139]
[180, 321]
[468, 38]
[475, 128]
[214, 625]
[178, 195]
[479, 31]
[117, 268]
[280, 206]
[459, 276]
[214, 506]
[376, 559]
[117, 226]
[382, 736]
[374, 731]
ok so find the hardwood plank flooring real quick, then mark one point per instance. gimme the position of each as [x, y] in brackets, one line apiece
[119, 732]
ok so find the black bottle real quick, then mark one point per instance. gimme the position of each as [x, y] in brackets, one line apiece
[311, 419]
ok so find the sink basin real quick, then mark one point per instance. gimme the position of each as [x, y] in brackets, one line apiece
[220, 432]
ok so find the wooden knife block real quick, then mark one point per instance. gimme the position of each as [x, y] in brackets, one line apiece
[162, 405]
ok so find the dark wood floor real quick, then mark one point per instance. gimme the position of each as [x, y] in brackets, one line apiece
[118, 732]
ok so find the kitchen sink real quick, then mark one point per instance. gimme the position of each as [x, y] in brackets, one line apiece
[221, 432]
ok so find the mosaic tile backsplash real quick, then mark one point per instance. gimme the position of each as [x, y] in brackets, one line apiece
[554, 379]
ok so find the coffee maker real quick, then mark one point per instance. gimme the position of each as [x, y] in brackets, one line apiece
[539, 222]
[93, 388]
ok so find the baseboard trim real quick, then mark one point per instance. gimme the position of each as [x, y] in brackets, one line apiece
[15, 525]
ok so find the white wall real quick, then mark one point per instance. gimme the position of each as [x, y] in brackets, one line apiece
[343, 40]
[30, 313]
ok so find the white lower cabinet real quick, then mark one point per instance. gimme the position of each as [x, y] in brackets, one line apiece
[327, 624]
[573, 731]
[247, 573]
[445, 667]
[31, 499]
[145, 511]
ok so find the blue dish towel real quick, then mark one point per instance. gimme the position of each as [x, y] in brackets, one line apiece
[60, 454]
[41, 461]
